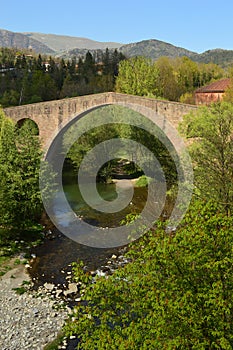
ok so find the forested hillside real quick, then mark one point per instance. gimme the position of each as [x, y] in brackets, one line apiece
[26, 77]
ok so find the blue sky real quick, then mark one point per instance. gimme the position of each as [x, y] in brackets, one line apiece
[195, 25]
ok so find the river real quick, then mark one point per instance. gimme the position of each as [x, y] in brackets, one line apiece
[54, 256]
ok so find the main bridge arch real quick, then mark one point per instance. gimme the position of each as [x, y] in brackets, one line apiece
[52, 116]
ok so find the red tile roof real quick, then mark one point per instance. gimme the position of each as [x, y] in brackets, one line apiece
[217, 86]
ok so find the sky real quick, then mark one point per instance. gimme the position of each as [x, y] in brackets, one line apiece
[194, 25]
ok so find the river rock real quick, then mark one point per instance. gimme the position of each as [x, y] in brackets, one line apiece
[27, 321]
[49, 286]
[72, 288]
[58, 292]
[100, 273]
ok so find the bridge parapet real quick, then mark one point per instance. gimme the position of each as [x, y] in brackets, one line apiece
[51, 116]
[173, 111]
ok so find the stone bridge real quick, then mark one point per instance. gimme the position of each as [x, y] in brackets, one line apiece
[52, 116]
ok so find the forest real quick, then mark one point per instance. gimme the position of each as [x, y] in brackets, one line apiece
[26, 77]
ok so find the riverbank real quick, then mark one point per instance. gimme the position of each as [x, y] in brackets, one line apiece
[27, 321]
[35, 318]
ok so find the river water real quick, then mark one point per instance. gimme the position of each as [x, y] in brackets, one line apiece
[54, 256]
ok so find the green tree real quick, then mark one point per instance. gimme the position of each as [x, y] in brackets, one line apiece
[110, 60]
[20, 156]
[102, 83]
[210, 130]
[43, 86]
[121, 130]
[188, 97]
[137, 76]
[87, 141]
[87, 68]
[167, 82]
[107, 64]
[228, 95]
[209, 72]
[176, 293]
[187, 74]
[10, 98]
[69, 87]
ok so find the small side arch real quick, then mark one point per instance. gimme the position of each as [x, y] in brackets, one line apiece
[33, 126]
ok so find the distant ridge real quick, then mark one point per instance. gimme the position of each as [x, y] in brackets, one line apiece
[69, 46]
[154, 49]
[21, 41]
[61, 43]
[218, 56]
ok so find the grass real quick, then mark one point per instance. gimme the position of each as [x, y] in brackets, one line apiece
[23, 288]
[20, 290]
[13, 242]
[17, 262]
[55, 343]
[143, 181]
[5, 264]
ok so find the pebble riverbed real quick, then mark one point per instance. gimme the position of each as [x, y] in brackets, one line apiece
[27, 321]
[34, 319]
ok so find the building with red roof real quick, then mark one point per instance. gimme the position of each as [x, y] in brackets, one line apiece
[212, 93]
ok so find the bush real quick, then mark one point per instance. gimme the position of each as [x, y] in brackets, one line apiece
[175, 294]
[143, 181]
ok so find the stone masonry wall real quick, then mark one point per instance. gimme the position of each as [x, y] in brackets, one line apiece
[52, 116]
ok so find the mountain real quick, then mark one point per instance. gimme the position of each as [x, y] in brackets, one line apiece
[154, 49]
[149, 48]
[21, 41]
[51, 44]
[68, 46]
[61, 43]
[221, 57]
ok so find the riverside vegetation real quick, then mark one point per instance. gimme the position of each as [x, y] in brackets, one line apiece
[176, 293]
[20, 202]
[176, 290]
